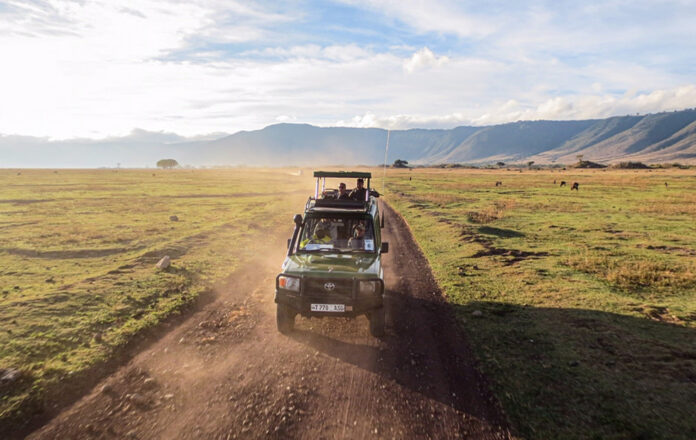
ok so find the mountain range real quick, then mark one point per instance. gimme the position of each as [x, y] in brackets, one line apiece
[651, 138]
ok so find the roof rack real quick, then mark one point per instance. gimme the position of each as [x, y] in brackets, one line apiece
[322, 175]
[347, 174]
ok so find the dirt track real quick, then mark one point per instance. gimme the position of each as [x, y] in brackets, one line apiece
[226, 372]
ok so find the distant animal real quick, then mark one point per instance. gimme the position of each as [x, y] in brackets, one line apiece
[666, 185]
[554, 181]
[409, 179]
[498, 183]
[153, 174]
[576, 186]
[563, 183]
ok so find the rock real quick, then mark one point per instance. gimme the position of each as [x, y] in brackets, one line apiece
[138, 399]
[164, 263]
[106, 389]
[573, 363]
[477, 313]
[149, 383]
[8, 376]
[168, 396]
[173, 218]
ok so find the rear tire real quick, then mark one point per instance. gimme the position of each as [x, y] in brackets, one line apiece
[377, 320]
[285, 319]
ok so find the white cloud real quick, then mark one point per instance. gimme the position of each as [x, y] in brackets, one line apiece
[422, 59]
[98, 68]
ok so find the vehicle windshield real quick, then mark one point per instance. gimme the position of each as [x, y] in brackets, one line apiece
[337, 234]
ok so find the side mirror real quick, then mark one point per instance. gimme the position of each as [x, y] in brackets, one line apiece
[297, 219]
[289, 240]
[385, 247]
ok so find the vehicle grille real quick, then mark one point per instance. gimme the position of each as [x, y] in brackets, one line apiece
[316, 286]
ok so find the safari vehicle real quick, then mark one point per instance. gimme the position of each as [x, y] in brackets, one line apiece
[333, 265]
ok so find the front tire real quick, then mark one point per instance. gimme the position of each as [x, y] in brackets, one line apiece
[377, 320]
[285, 319]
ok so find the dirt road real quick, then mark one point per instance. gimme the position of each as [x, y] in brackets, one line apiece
[225, 372]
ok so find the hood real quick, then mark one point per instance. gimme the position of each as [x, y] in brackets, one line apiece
[333, 264]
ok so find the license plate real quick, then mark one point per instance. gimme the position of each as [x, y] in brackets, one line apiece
[328, 308]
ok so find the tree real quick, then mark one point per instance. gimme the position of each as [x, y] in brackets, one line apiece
[530, 163]
[398, 163]
[167, 163]
[500, 164]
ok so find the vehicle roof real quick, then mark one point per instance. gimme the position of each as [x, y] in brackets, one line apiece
[340, 206]
[347, 174]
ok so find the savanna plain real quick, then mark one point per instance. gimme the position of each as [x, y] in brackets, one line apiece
[579, 306]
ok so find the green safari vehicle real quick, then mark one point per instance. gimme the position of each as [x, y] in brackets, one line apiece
[333, 265]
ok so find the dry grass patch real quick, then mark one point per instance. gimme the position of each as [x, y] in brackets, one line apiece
[629, 273]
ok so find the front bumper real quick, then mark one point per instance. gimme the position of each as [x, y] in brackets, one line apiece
[355, 303]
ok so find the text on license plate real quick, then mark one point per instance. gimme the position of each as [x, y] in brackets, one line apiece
[328, 307]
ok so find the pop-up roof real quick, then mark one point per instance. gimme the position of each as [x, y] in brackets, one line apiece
[346, 174]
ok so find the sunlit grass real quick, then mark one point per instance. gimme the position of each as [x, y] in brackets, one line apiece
[587, 298]
[78, 250]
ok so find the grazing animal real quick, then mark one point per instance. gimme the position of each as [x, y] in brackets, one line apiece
[563, 183]
[666, 185]
[576, 186]
[498, 183]
[554, 181]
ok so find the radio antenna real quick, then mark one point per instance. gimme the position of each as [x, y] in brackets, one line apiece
[386, 151]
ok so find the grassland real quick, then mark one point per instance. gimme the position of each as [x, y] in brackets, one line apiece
[77, 256]
[580, 306]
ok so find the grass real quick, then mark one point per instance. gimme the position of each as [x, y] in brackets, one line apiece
[588, 298]
[77, 256]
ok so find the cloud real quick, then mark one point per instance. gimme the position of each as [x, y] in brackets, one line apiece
[424, 58]
[74, 68]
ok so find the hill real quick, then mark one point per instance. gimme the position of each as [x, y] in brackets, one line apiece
[652, 138]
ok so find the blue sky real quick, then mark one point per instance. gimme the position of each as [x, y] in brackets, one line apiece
[102, 68]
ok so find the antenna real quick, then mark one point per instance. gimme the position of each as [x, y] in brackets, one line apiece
[386, 150]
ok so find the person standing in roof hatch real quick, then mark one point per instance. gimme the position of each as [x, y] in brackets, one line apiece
[359, 192]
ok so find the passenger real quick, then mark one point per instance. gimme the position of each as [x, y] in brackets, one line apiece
[321, 236]
[330, 227]
[342, 192]
[359, 192]
[357, 241]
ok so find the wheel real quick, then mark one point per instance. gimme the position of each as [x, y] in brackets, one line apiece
[377, 323]
[285, 318]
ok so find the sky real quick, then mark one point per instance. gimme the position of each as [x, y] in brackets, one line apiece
[94, 69]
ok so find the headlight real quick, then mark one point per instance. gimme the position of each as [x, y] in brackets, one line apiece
[289, 283]
[368, 287]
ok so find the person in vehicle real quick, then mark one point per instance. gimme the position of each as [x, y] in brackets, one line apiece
[330, 227]
[359, 192]
[321, 236]
[357, 241]
[342, 192]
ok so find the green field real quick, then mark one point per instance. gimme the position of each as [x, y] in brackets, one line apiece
[580, 306]
[78, 251]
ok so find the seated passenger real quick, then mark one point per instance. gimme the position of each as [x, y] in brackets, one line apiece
[321, 236]
[359, 192]
[357, 241]
[342, 192]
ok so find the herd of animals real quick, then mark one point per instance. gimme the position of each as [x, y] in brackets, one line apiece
[576, 185]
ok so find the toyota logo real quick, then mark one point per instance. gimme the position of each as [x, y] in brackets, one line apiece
[329, 286]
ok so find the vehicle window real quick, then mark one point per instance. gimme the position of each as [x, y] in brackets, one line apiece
[337, 234]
